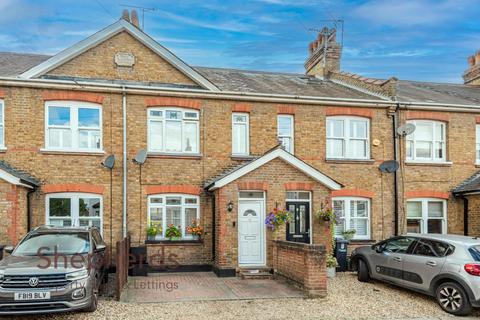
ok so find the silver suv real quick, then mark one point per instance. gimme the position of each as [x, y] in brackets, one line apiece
[53, 269]
[444, 266]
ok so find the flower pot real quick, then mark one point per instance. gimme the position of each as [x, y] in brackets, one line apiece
[331, 272]
[150, 237]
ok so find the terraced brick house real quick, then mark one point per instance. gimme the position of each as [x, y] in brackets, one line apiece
[225, 147]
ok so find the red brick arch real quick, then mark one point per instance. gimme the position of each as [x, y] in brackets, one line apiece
[428, 115]
[72, 95]
[172, 102]
[2, 94]
[73, 187]
[427, 194]
[347, 111]
[252, 185]
[184, 189]
[353, 193]
[298, 186]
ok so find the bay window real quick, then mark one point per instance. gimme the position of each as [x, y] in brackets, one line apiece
[352, 213]
[74, 210]
[426, 216]
[181, 210]
[173, 130]
[348, 138]
[240, 134]
[73, 126]
[427, 142]
[285, 125]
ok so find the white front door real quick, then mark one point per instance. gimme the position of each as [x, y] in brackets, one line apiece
[251, 233]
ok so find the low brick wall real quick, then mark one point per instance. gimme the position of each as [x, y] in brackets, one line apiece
[303, 264]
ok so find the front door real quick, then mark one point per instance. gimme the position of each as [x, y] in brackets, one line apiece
[251, 233]
[298, 230]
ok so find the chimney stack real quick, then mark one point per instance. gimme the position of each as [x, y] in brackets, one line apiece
[126, 15]
[134, 17]
[472, 74]
[324, 54]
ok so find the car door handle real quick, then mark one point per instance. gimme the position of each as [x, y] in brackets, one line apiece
[397, 259]
[431, 263]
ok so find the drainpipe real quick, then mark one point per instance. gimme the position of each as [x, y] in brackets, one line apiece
[29, 210]
[124, 189]
[395, 174]
[465, 215]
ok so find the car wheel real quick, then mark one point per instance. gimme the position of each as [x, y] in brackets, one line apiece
[453, 299]
[362, 273]
[93, 303]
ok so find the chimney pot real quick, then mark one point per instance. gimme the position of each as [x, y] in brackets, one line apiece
[477, 58]
[134, 16]
[126, 15]
[471, 61]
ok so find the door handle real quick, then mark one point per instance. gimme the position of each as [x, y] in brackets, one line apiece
[431, 263]
[397, 259]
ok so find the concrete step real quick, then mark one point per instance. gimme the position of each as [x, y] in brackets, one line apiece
[252, 273]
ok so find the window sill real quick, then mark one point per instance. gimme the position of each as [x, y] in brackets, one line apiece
[175, 242]
[162, 155]
[431, 163]
[73, 152]
[240, 157]
[3, 149]
[357, 161]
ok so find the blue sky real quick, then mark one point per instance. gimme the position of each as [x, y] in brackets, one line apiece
[427, 40]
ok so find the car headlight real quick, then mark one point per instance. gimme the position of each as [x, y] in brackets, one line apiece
[77, 275]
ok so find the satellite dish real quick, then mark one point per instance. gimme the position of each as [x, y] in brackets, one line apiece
[141, 157]
[389, 166]
[406, 129]
[109, 162]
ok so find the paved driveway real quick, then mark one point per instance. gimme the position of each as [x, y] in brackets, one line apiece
[201, 286]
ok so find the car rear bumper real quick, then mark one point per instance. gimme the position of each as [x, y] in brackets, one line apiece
[16, 308]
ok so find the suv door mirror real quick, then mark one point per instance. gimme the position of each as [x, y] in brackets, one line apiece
[377, 248]
[8, 249]
[100, 248]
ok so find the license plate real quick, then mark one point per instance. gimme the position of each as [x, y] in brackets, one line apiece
[32, 295]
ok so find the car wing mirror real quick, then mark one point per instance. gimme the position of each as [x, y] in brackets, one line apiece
[100, 248]
[378, 249]
[8, 249]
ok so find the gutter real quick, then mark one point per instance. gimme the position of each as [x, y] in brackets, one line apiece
[124, 188]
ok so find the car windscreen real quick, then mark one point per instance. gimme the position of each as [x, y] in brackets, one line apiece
[54, 243]
[475, 252]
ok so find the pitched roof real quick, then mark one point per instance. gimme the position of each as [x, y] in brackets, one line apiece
[14, 64]
[235, 173]
[16, 176]
[470, 185]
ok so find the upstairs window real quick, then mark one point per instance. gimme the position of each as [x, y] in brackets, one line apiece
[427, 142]
[348, 138]
[73, 126]
[477, 149]
[173, 130]
[2, 124]
[285, 132]
[240, 134]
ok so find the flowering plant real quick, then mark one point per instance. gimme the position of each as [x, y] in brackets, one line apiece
[154, 229]
[277, 218]
[195, 229]
[326, 212]
[173, 232]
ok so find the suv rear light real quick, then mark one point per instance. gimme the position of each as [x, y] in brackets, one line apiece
[473, 269]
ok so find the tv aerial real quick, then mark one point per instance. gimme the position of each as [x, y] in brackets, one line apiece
[109, 162]
[406, 129]
[141, 157]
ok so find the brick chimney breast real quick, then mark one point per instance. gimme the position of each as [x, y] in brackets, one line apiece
[126, 15]
[134, 16]
[472, 74]
[324, 54]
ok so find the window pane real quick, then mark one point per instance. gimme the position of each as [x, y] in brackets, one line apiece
[291, 224]
[60, 138]
[360, 226]
[285, 126]
[59, 116]
[414, 226]
[335, 148]
[358, 148]
[435, 209]
[174, 201]
[361, 208]
[439, 131]
[190, 217]
[190, 137]
[89, 207]
[410, 149]
[1, 112]
[295, 195]
[60, 207]
[439, 146]
[424, 249]
[423, 149]
[174, 216]
[414, 209]
[156, 113]
[175, 115]
[253, 194]
[2, 142]
[89, 117]
[89, 139]
[239, 118]
[60, 222]
[156, 216]
[239, 139]
[191, 115]
[156, 135]
[399, 245]
[90, 223]
[336, 129]
[358, 129]
[173, 136]
[423, 131]
[303, 210]
[190, 200]
[286, 142]
[156, 200]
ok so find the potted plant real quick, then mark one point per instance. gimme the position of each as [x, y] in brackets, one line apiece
[349, 234]
[153, 230]
[326, 213]
[195, 230]
[277, 218]
[173, 232]
[332, 264]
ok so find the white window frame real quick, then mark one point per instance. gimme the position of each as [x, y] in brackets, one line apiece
[2, 124]
[411, 140]
[292, 133]
[74, 126]
[347, 149]
[477, 144]
[163, 120]
[74, 209]
[346, 208]
[424, 218]
[247, 133]
[164, 206]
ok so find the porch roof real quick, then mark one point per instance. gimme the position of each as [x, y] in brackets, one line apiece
[237, 172]
[16, 176]
[470, 185]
